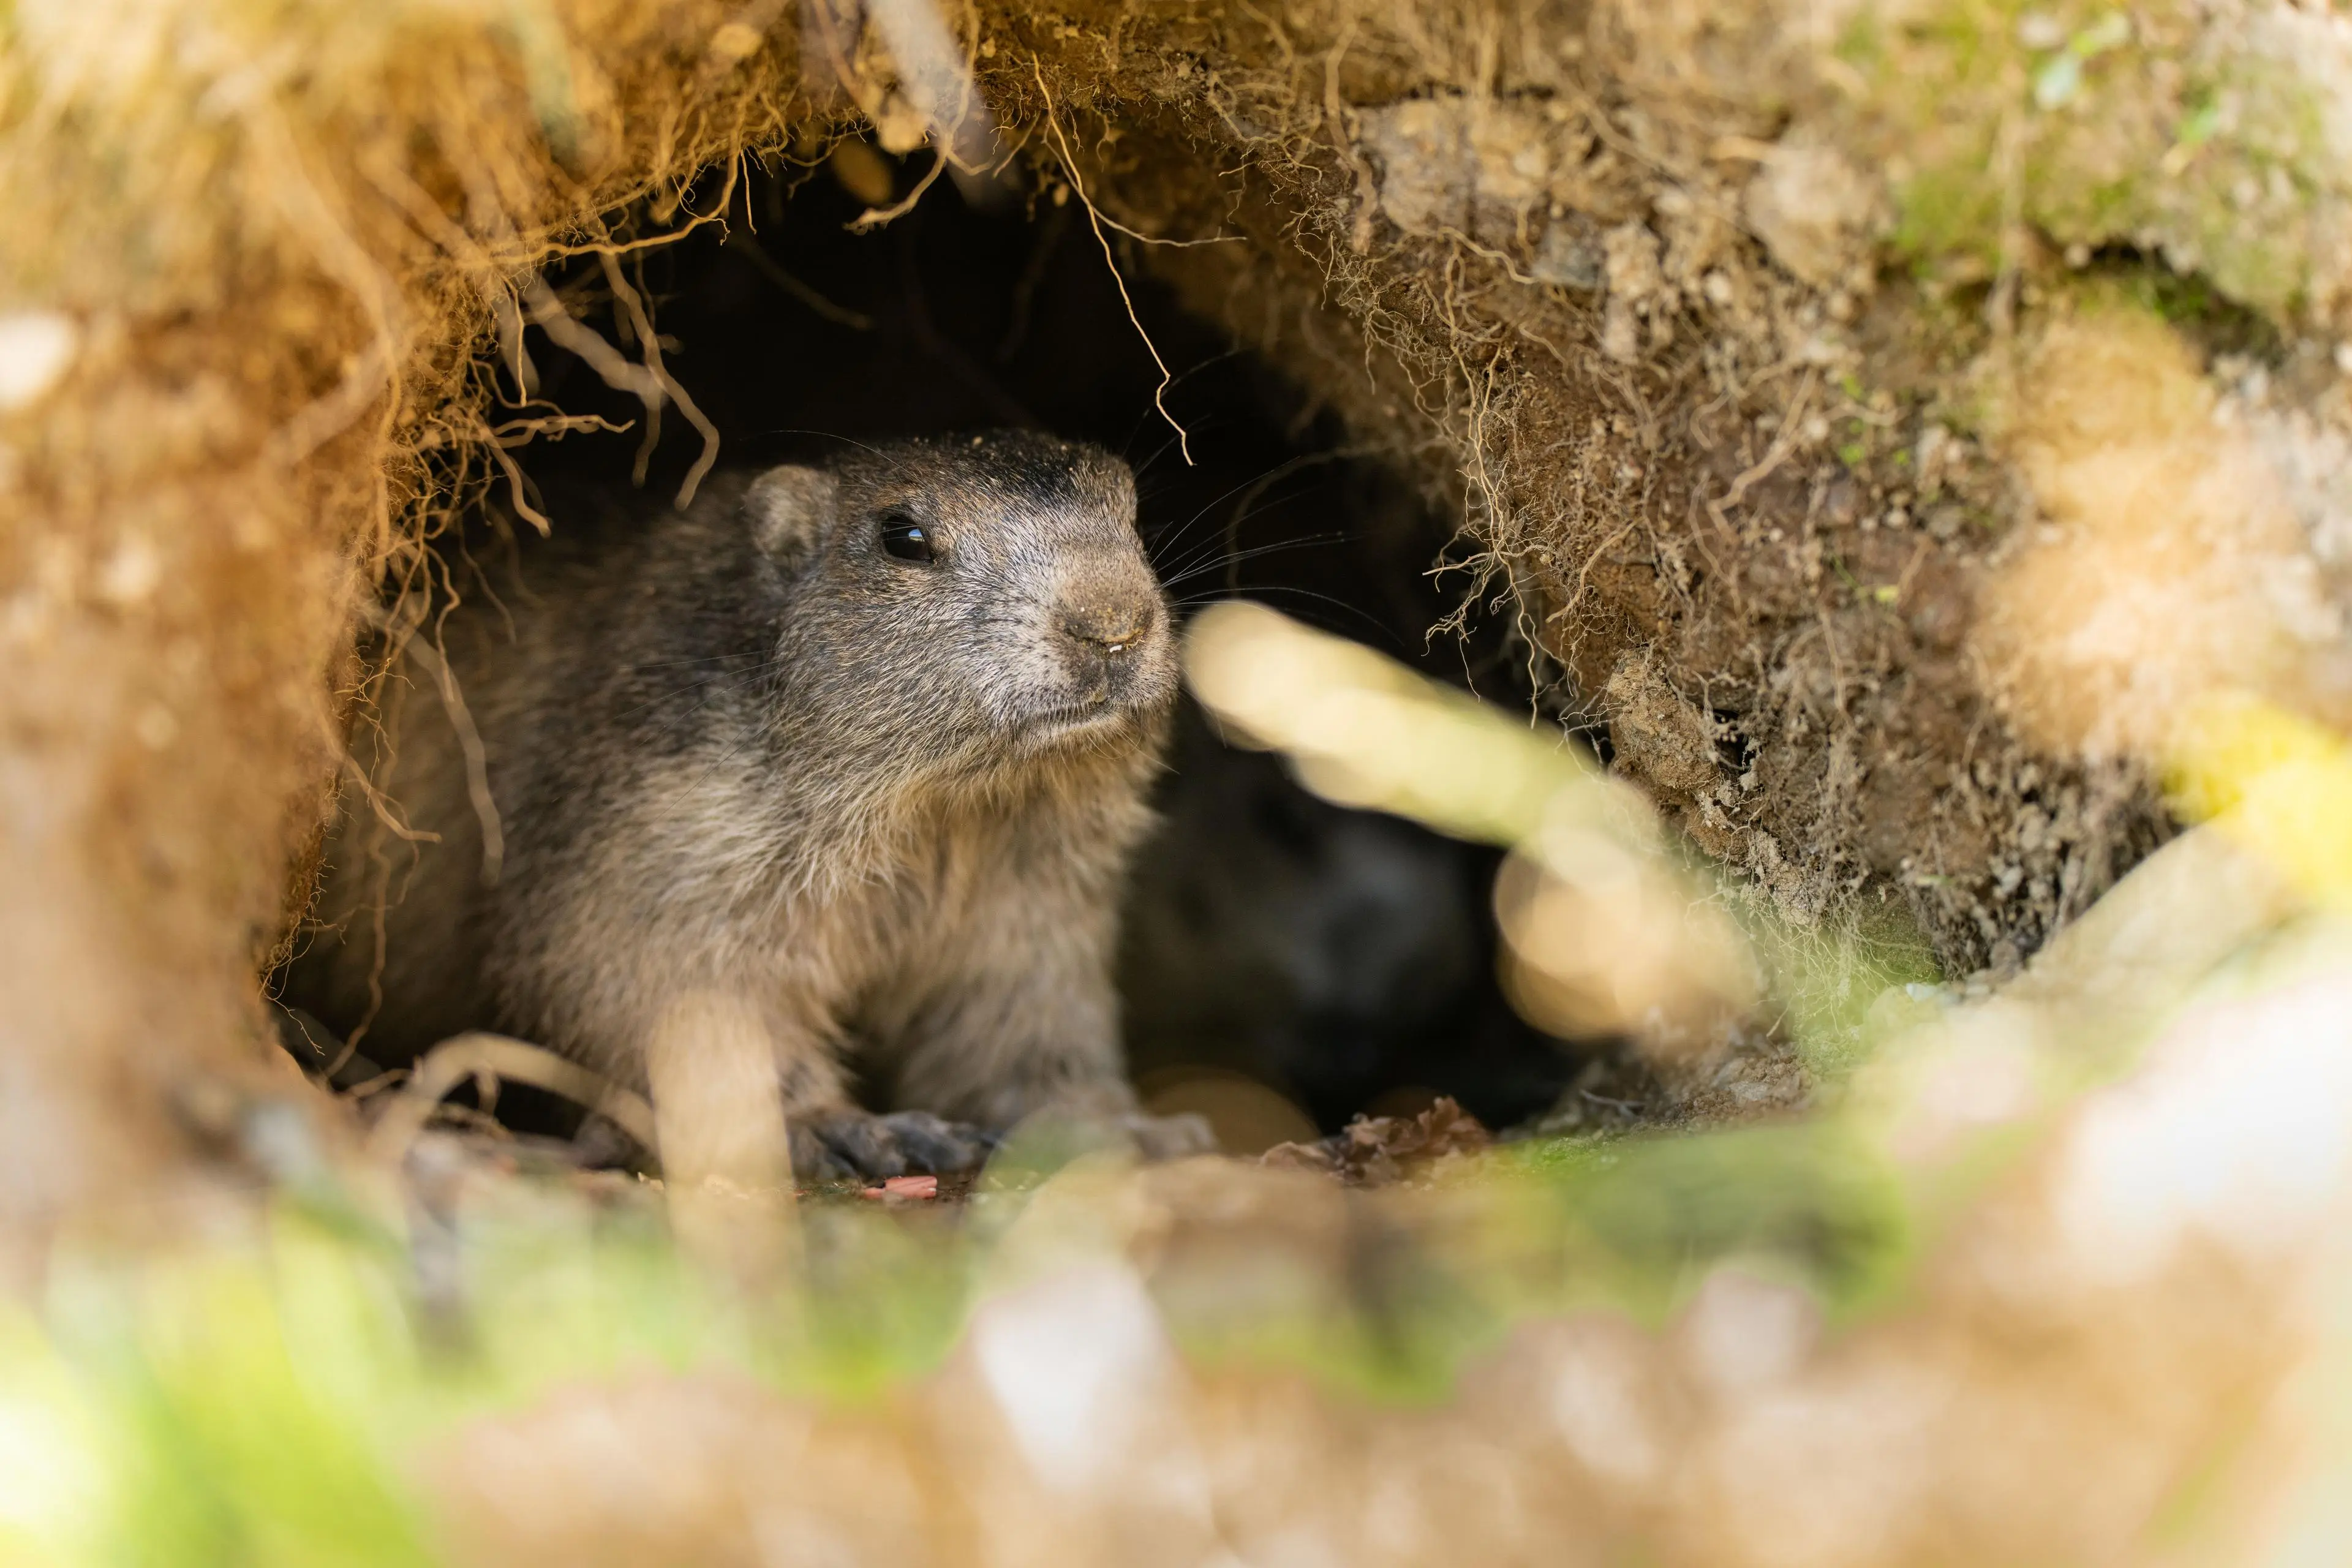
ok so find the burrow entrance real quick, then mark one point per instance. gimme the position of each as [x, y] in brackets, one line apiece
[1285, 963]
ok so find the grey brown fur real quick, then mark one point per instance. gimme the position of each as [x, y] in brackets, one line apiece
[885, 805]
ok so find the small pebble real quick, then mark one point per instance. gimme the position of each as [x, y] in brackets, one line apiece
[900, 1188]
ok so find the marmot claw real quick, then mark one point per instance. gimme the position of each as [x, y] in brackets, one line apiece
[858, 1143]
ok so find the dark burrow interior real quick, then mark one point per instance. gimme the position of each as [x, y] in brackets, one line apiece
[1280, 955]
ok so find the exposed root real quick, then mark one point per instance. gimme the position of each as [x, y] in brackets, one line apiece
[873, 218]
[1094, 220]
[481, 1056]
[650, 344]
[469, 743]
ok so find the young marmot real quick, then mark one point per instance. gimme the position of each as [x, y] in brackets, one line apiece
[858, 749]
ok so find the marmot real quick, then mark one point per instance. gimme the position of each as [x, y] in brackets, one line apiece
[861, 749]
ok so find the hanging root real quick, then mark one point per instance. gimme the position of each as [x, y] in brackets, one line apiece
[1095, 218]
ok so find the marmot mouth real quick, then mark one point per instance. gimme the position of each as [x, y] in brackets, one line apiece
[1070, 720]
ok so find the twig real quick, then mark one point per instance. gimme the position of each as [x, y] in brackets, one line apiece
[1093, 218]
[471, 1055]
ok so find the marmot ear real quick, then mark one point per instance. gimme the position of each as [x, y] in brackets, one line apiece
[786, 509]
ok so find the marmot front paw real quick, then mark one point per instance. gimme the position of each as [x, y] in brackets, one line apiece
[858, 1143]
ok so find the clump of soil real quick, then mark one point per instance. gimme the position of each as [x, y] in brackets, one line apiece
[1375, 1150]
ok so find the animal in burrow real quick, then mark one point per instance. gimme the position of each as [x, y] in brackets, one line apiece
[848, 759]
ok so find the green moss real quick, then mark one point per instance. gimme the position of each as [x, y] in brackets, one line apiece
[1399, 1335]
[2190, 303]
[1860, 43]
[1646, 1218]
[2178, 299]
[1947, 211]
[2230, 174]
[2203, 118]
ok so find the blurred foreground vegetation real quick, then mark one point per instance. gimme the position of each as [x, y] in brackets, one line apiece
[279, 1393]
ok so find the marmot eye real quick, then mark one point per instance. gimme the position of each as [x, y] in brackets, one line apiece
[906, 539]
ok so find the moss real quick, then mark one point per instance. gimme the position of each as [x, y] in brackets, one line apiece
[1648, 1217]
[1861, 42]
[1948, 212]
[2191, 304]
[2178, 299]
[2228, 168]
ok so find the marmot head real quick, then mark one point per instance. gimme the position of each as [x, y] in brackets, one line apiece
[970, 601]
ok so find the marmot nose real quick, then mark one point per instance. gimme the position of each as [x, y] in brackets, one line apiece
[1108, 629]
